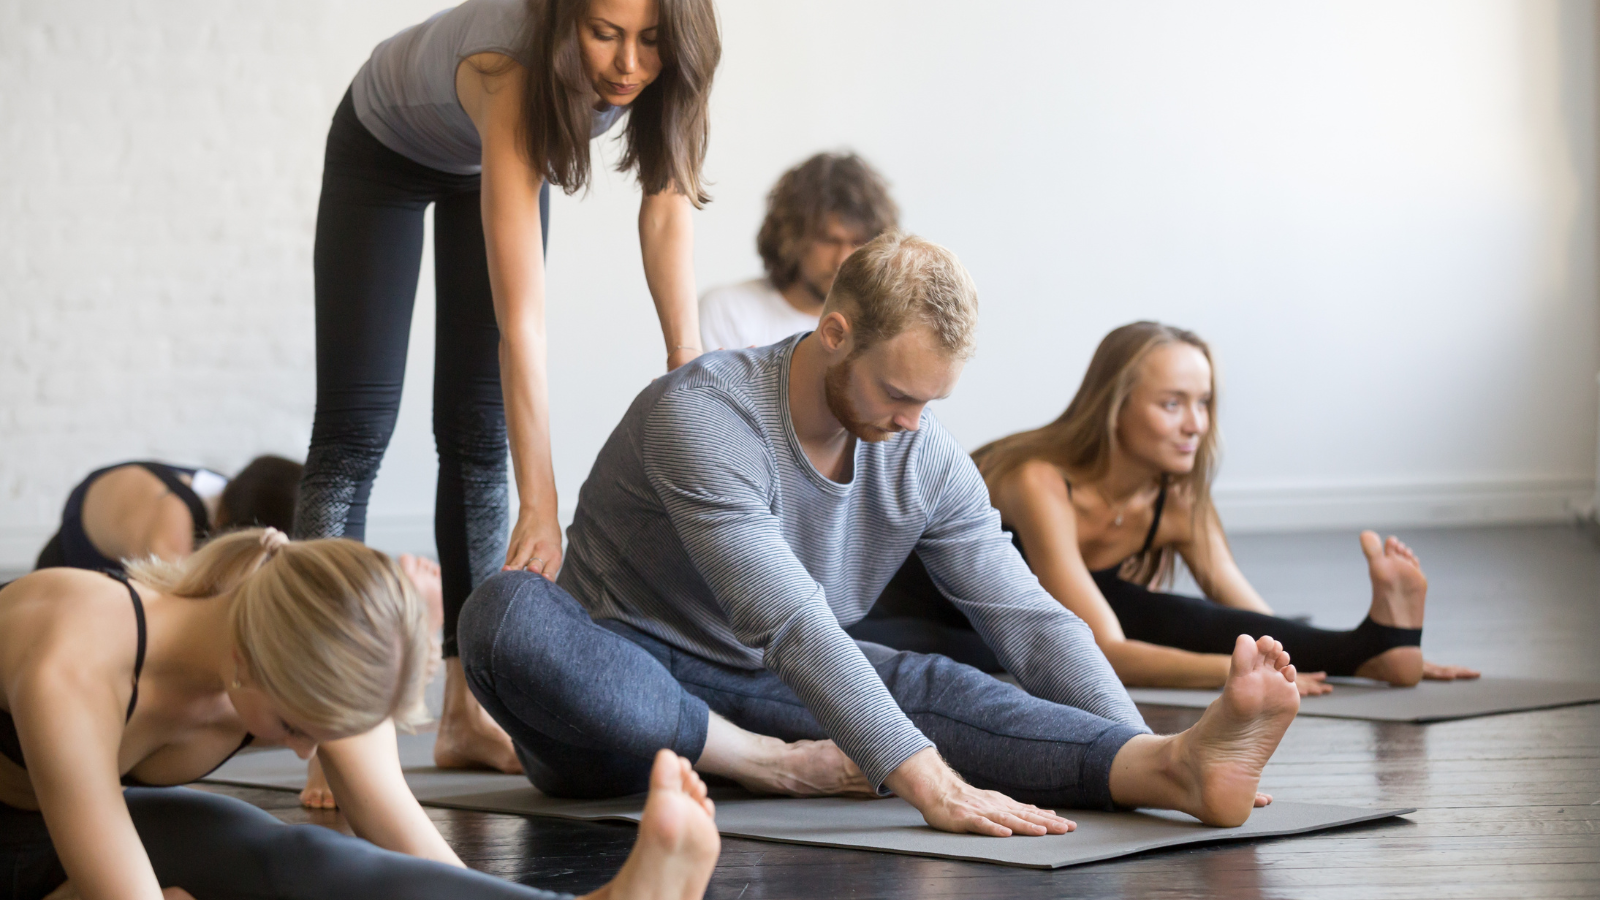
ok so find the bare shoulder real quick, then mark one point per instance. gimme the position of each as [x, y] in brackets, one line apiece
[1032, 485]
[1177, 516]
[68, 618]
[482, 79]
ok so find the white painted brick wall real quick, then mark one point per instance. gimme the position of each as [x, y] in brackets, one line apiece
[159, 167]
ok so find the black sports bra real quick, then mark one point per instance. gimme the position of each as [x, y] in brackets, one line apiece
[11, 742]
[1149, 537]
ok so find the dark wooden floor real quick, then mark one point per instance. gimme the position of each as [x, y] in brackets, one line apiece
[1509, 806]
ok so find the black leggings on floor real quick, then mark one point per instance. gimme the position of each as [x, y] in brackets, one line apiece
[221, 848]
[912, 615]
[368, 253]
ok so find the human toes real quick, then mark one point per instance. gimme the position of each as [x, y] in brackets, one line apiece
[1262, 799]
[1371, 544]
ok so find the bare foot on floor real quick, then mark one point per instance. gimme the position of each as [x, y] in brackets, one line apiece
[317, 793]
[767, 765]
[1226, 750]
[1432, 671]
[1399, 592]
[424, 573]
[468, 737]
[678, 842]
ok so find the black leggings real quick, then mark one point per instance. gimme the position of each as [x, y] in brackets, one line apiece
[368, 252]
[913, 615]
[220, 848]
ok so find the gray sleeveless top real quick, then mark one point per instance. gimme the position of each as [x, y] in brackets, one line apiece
[406, 93]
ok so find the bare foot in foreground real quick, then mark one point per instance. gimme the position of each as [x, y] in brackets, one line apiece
[678, 842]
[468, 737]
[317, 793]
[1230, 745]
[424, 573]
[1399, 592]
[767, 765]
[1212, 770]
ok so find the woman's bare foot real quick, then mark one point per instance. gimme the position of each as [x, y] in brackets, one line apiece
[678, 842]
[1399, 592]
[468, 737]
[767, 765]
[317, 793]
[424, 573]
[1212, 770]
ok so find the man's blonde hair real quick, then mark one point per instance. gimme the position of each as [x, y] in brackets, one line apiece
[331, 629]
[897, 279]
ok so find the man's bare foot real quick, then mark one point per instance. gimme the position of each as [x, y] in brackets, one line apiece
[767, 765]
[468, 737]
[1227, 749]
[424, 573]
[1399, 592]
[678, 841]
[317, 793]
[1212, 770]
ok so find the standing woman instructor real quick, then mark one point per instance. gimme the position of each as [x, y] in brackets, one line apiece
[479, 110]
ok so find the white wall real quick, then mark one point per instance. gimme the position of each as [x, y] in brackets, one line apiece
[1383, 216]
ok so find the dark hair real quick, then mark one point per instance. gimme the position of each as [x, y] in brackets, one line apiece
[263, 494]
[839, 183]
[668, 125]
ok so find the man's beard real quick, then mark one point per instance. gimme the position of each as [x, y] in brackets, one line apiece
[836, 388]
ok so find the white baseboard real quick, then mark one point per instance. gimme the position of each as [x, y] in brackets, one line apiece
[1246, 508]
[1257, 507]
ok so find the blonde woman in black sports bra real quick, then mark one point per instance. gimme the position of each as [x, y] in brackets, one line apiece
[110, 686]
[1102, 500]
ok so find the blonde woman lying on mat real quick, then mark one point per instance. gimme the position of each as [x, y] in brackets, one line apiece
[1104, 498]
[114, 688]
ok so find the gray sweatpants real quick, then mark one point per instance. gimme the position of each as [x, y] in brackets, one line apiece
[589, 703]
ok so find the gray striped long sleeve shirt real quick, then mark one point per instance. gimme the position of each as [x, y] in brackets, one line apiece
[703, 524]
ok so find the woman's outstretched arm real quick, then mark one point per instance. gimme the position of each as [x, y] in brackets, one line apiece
[365, 774]
[492, 97]
[1210, 561]
[666, 241]
[68, 690]
[1034, 500]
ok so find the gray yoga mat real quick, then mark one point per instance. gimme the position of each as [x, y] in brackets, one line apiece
[1430, 701]
[889, 825]
[893, 826]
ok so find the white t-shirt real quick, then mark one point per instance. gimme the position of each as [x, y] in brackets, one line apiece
[748, 314]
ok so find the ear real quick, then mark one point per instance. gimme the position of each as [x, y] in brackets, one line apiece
[834, 333]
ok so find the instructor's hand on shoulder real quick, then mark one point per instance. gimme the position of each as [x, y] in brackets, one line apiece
[535, 544]
[950, 804]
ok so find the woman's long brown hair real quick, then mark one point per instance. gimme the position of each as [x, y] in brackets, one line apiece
[1082, 438]
[668, 125]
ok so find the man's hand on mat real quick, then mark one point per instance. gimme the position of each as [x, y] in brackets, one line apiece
[678, 841]
[1432, 671]
[535, 544]
[1312, 683]
[949, 804]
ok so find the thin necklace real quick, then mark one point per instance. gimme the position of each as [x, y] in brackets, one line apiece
[1117, 522]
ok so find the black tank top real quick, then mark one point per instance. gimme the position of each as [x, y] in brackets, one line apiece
[1149, 536]
[75, 548]
[11, 742]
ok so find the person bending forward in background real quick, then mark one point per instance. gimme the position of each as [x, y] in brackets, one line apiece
[1102, 500]
[477, 111]
[138, 509]
[750, 505]
[818, 213]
